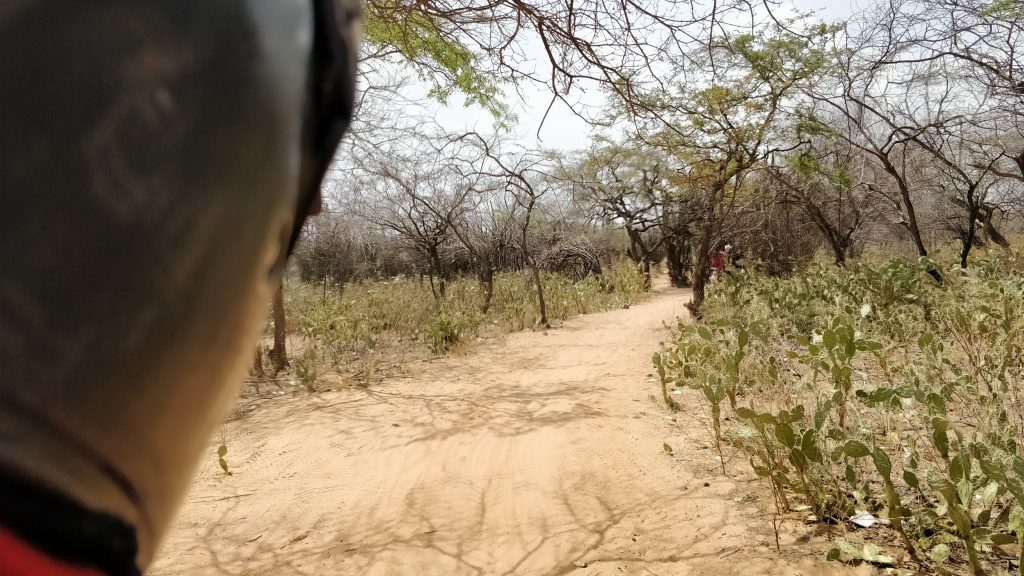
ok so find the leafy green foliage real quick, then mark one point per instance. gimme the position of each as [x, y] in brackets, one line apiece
[1008, 9]
[873, 388]
[444, 62]
[222, 452]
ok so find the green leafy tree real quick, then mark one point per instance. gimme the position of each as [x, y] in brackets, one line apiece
[730, 122]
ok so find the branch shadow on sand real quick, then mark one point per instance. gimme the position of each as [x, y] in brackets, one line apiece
[595, 531]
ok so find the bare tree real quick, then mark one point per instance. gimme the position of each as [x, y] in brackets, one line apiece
[481, 226]
[628, 186]
[486, 233]
[415, 195]
[966, 180]
[526, 180]
[861, 119]
[917, 83]
[526, 195]
[821, 178]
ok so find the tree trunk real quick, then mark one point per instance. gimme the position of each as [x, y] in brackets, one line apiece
[524, 245]
[908, 205]
[435, 265]
[990, 229]
[543, 321]
[972, 230]
[279, 353]
[639, 253]
[838, 250]
[433, 288]
[677, 257]
[915, 233]
[700, 271]
[967, 243]
[828, 231]
[701, 268]
[633, 251]
[486, 277]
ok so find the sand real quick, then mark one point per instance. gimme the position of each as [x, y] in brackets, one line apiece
[541, 454]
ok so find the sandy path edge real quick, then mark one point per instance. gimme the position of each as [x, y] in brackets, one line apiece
[541, 455]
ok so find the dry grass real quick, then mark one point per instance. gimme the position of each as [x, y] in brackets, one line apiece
[364, 331]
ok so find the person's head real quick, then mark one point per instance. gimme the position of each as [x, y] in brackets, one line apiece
[728, 247]
[158, 159]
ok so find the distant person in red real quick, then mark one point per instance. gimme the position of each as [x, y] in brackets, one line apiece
[719, 260]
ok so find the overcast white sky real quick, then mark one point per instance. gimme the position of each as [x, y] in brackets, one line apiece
[564, 130]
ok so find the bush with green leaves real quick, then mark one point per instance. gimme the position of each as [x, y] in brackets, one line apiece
[873, 388]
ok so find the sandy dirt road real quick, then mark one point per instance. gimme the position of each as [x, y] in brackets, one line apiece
[541, 455]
